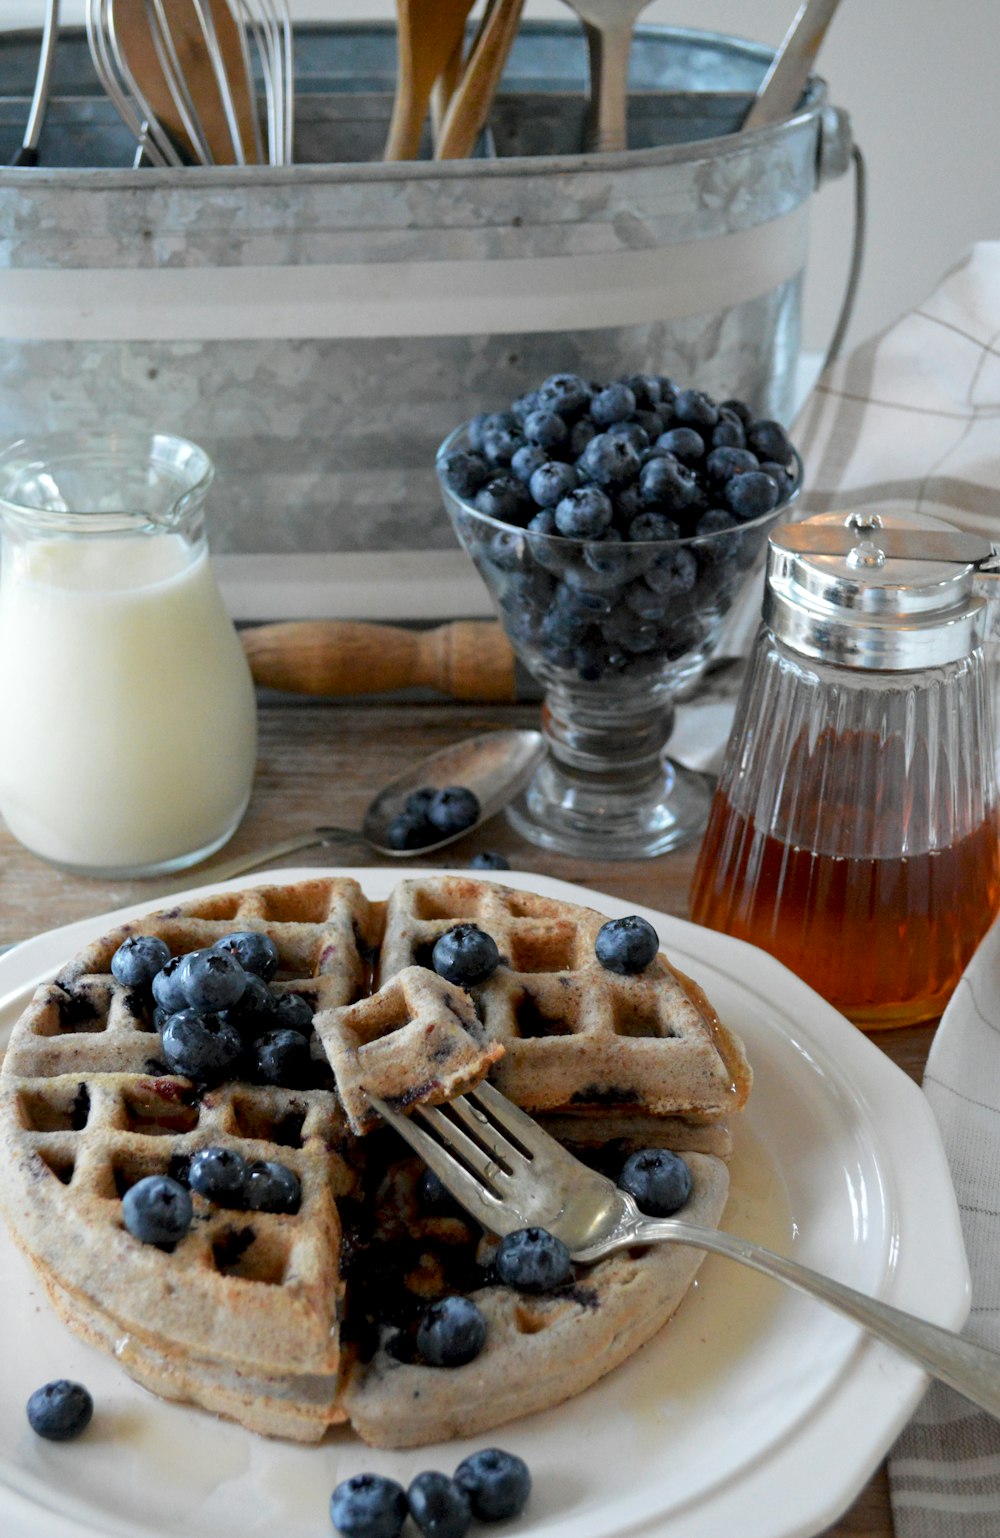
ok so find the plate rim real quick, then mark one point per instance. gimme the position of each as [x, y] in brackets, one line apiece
[888, 1386]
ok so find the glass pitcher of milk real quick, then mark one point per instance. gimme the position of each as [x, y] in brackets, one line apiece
[127, 714]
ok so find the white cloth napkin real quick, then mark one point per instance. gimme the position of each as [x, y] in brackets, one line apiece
[912, 419]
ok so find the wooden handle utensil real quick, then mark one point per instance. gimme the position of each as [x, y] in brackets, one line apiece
[472, 98]
[466, 659]
[429, 35]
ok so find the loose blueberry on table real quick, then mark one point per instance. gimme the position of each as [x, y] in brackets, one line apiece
[60, 1411]
[573, 470]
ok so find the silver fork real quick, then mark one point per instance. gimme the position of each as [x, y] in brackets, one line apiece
[509, 1174]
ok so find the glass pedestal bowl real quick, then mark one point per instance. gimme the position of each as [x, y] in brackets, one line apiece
[613, 631]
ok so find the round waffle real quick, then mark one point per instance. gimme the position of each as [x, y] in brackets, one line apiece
[265, 1317]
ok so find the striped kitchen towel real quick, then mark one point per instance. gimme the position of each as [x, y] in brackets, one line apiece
[911, 420]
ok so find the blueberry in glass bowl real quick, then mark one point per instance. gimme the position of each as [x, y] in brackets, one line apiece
[613, 551]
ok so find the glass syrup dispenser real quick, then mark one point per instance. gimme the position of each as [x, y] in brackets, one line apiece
[853, 832]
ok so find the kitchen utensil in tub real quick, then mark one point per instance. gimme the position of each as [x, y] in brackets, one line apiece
[429, 34]
[608, 26]
[27, 155]
[781, 88]
[182, 77]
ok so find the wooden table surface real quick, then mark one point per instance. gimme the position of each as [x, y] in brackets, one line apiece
[321, 763]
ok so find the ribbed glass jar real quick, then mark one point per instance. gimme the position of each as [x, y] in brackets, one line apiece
[853, 833]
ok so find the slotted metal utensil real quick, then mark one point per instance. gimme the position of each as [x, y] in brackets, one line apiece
[509, 1174]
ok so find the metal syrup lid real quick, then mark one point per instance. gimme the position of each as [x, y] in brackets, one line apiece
[892, 591]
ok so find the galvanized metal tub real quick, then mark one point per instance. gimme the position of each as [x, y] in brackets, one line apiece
[319, 329]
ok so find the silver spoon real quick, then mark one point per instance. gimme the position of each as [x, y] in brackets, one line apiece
[494, 767]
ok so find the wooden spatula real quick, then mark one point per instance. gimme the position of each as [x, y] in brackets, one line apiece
[471, 100]
[209, 122]
[430, 33]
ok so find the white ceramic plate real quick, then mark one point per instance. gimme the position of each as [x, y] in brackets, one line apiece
[756, 1411]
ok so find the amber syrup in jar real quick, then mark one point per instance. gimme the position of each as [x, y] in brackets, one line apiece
[884, 938]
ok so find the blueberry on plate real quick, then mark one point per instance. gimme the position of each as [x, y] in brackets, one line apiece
[533, 1260]
[200, 1047]
[368, 1506]
[212, 979]
[465, 955]
[453, 809]
[281, 1057]
[272, 1187]
[627, 945]
[497, 1483]
[220, 1175]
[60, 1410]
[138, 959]
[489, 859]
[658, 1181]
[157, 1210]
[439, 1506]
[292, 1012]
[254, 1013]
[451, 1332]
[255, 952]
[167, 986]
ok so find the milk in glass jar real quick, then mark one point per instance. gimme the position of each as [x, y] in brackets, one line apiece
[127, 714]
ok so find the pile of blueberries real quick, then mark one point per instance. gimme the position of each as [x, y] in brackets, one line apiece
[490, 1486]
[218, 1019]
[589, 481]
[430, 815]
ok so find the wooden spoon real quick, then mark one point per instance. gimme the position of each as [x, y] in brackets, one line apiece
[471, 101]
[206, 127]
[429, 35]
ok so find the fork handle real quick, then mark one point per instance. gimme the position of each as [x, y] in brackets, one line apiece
[971, 1369]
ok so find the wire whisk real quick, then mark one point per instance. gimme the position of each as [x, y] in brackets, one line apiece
[183, 76]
